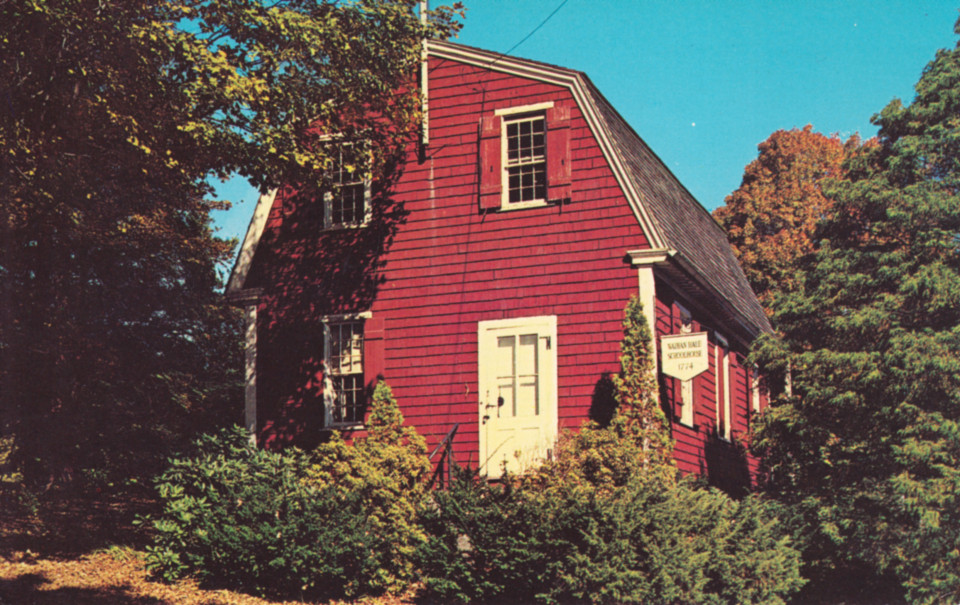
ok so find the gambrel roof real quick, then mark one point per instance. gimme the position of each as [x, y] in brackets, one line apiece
[690, 248]
[697, 253]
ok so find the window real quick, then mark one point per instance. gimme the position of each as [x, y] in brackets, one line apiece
[346, 399]
[526, 147]
[348, 205]
[755, 389]
[686, 386]
[525, 157]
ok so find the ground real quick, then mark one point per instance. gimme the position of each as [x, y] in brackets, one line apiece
[74, 550]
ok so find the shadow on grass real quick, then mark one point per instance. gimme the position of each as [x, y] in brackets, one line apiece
[68, 525]
[29, 588]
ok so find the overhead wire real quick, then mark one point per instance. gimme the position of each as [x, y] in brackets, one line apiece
[533, 31]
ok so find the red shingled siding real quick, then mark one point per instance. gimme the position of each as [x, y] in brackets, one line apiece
[699, 449]
[449, 266]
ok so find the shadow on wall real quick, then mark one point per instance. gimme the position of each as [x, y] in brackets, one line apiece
[314, 272]
[724, 464]
[603, 405]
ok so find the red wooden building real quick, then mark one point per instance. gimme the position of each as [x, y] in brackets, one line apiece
[487, 281]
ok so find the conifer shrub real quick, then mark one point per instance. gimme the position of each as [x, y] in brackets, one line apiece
[243, 517]
[386, 471]
[607, 520]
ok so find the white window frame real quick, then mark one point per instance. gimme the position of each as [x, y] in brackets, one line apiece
[755, 389]
[686, 386]
[511, 115]
[329, 197]
[330, 394]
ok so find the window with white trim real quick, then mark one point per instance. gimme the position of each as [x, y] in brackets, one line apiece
[525, 157]
[348, 204]
[755, 389]
[346, 399]
[686, 386]
[525, 144]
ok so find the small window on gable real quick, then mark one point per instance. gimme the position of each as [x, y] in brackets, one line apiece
[344, 392]
[525, 157]
[348, 203]
[526, 170]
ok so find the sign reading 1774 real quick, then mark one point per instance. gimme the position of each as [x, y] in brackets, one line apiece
[684, 356]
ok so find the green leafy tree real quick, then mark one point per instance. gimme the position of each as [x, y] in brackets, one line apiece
[771, 218]
[113, 342]
[868, 448]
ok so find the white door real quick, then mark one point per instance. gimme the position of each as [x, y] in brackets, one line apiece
[517, 377]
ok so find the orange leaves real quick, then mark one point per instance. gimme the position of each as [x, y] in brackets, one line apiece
[771, 219]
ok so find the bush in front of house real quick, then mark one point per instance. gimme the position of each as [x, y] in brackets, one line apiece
[338, 522]
[243, 517]
[649, 541]
[386, 471]
[607, 520]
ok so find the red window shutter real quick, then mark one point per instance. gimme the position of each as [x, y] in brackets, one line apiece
[558, 153]
[373, 362]
[491, 170]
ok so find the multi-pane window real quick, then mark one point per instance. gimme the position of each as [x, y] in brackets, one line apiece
[518, 392]
[347, 203]
[526, 159]
[345, 363]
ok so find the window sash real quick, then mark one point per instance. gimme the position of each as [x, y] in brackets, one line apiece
[348, 204]
[344, 359]
[525, 159]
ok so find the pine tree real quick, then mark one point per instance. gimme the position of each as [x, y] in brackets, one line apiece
[868, 448]
[639, 415]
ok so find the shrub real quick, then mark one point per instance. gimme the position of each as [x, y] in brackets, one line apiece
[484, 544]
[386, 471]
[244, 517]
[646, 542]
[607, 521]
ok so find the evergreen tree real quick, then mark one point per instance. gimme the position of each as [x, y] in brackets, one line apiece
[868, 447]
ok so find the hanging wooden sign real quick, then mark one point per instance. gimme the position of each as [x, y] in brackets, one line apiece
[684, 356]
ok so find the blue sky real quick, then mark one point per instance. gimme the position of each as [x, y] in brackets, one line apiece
[703, 82]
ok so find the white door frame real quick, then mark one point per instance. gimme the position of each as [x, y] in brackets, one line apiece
[493, 455]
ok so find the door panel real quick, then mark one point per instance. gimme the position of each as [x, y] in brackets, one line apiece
[517, 378]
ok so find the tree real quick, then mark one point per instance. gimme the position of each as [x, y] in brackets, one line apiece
[112, 338]
[771, 218]
[868, 448]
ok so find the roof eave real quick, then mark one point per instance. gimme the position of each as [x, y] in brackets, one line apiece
[241, 268]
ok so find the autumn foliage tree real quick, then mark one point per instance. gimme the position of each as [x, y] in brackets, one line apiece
[867, 450]
[114, 343]
[771, 218]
